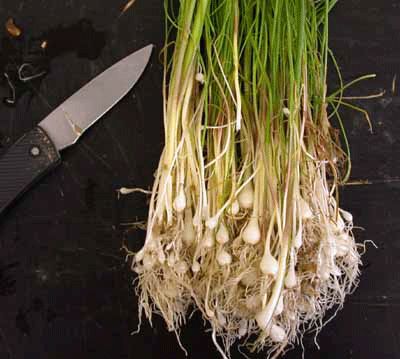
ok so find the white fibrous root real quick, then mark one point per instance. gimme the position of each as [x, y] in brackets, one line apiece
[343, 244]
[244, 222]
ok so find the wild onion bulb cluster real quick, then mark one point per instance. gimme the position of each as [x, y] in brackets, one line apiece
[244, 222]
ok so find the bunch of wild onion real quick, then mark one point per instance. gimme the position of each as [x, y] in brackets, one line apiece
[244, 222]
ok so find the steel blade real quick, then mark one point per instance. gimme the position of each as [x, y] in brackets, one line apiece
[71, 119]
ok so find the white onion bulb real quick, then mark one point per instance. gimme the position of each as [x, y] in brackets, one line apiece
[200, 78]
[222, 236]
[221, 319]
[242, 328]
[268, 264]
[305, 210]
[291, 279]
[249, 278]
[246, 196]
[196, 267]
[161, 256]
[209, 238]
[253, 302]
[286, 111]
[277, 334]
[180, 201]
[212, 223]
[234, 208]
[262, 318]
[171, 260]
[188, 234]
[298, 239]
[181, 267]
[251, 234]
[224, 258]
[348, 217]
[324, 273]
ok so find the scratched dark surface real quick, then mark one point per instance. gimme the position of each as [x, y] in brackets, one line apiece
[65, 290]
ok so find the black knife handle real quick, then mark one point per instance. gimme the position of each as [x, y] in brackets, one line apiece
[24, 163]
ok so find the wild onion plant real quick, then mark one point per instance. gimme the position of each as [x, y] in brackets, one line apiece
[244, 223]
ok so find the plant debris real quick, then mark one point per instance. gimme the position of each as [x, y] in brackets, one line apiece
[25, 59]
[127, 6]
[394, 84]
[13, 29]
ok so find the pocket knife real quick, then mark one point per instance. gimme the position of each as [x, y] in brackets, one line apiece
[38, 152]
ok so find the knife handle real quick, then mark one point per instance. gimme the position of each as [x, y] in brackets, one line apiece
[24, 163]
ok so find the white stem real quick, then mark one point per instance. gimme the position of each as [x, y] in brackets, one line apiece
[298, 239]
[189, 234]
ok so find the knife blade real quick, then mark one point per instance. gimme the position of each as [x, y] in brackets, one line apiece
[38, 152]
[68, 121]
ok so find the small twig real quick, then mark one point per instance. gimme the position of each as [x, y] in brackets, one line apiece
[379, 94]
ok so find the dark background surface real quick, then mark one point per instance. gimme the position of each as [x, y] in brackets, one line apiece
[73, 295]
